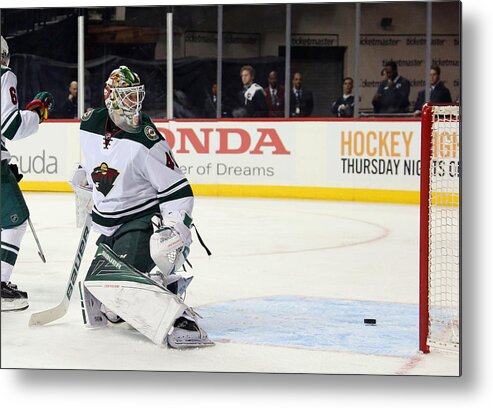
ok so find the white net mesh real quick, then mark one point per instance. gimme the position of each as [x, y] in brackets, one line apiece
[443, 278]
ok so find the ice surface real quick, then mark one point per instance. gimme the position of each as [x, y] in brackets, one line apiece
[286, 290]
[316, 323]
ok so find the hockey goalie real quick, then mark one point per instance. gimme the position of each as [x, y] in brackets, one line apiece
[142, 207]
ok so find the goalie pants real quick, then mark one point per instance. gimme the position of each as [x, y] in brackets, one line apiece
[14, 220]
[131, 242]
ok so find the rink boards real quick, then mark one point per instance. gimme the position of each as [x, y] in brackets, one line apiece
[350, 160]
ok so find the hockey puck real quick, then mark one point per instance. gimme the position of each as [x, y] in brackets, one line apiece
[372, 322]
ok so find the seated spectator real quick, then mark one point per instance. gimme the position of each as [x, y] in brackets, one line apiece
[182, 108]
[251, 99]
[438, 93]
[210, 103]
[274, 96]
[68, 108]
[343, 106]
[393, 93]
[301, 101]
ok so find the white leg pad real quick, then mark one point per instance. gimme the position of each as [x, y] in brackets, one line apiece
[91, 309]
[150, 309]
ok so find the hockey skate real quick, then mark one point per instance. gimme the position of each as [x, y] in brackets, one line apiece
[13, 299]
[187, 333]
[110, 316]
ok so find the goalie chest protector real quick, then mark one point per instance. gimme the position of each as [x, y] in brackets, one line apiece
[132, 174]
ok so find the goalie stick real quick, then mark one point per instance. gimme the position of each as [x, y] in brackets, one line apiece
[49, 315]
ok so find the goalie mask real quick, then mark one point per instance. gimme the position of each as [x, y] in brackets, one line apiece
[5, 56]
[123, 96]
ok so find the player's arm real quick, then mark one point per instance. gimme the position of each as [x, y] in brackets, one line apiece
[335, 106]
[42, 103]
[262, 110]
[173, 189]
[377, 98]
[172, 232]
[16, 124]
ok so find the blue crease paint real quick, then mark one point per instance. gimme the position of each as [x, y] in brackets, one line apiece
[316, 323]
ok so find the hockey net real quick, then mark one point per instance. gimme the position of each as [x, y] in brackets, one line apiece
[439, 228]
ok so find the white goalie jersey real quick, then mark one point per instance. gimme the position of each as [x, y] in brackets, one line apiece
[132, 174]
[16, 124]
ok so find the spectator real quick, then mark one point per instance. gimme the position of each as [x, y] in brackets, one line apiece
[68, 109]
[438, 94]
[393, 93]
[210, 103]
[344, 105]
[251, 99]
[301, 101]
[383, 74]
[274, 95]
[182, 109]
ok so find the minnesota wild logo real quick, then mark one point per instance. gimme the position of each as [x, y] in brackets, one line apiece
[104, 178]
[87, 115]
[151, 133]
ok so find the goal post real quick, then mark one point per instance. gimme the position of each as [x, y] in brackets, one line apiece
[439, 251]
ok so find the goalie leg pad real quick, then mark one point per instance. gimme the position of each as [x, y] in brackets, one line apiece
[142, 303]
[91, 309]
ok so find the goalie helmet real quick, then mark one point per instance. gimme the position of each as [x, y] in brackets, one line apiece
[123, 96]
[5, 56]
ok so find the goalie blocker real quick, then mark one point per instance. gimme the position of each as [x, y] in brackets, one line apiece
[139, 300]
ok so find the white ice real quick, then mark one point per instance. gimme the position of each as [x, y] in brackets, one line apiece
[262, 249]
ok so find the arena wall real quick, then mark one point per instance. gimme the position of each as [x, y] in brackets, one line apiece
[355, 160]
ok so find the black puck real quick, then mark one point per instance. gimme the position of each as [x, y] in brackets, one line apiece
[370, 321]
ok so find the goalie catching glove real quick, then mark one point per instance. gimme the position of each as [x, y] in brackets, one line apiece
[42, 104]
[170, 243]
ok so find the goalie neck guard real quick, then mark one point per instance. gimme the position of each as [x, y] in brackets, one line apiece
[123, 96]
[5, 56]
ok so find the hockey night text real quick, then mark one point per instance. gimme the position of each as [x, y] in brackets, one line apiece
[389, 153]
[377, 153]
[376, 143]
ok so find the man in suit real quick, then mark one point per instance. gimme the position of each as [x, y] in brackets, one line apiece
[343, 106]
[274, 96]
[439, 93]
[210, 103]
[68, 109]
[393, 94]
[301, 101]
